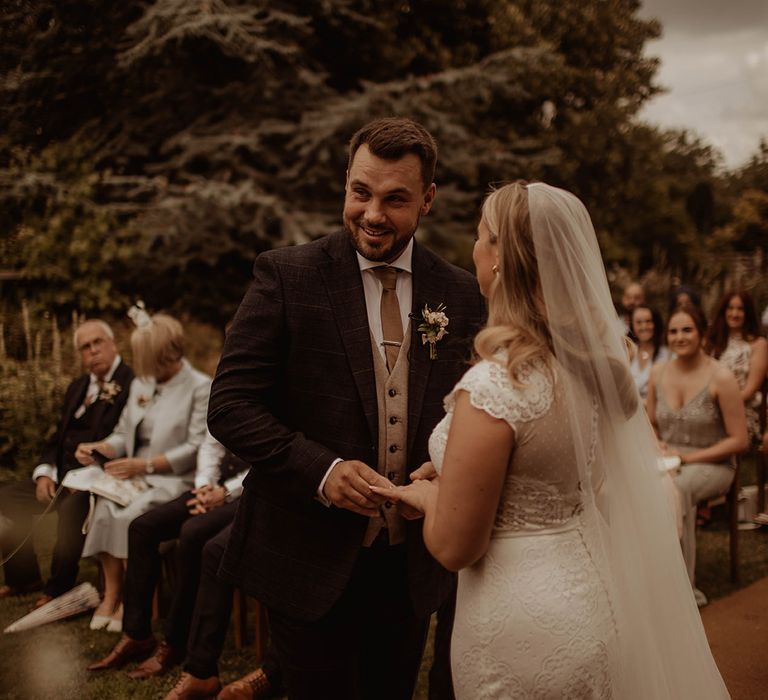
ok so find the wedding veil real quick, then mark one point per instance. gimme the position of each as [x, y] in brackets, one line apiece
[662, 649]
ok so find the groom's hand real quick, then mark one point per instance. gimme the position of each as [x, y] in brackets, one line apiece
[348, 486]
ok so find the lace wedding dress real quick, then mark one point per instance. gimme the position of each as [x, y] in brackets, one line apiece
[533, 616]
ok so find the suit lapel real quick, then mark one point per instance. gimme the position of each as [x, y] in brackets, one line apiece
[341, 275]
[427, 289]
[78, 396]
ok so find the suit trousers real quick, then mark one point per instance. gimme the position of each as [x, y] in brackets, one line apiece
[368, 646]
[18, 503]
[145, 535]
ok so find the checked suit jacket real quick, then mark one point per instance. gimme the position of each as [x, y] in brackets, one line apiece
[295, 389]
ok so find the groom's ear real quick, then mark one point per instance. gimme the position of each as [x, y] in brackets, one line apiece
[429, 199]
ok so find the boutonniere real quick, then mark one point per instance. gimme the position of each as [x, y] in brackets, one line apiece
[432, 327]
[109, 390]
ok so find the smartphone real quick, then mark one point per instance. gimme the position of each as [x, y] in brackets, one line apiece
[99, 458]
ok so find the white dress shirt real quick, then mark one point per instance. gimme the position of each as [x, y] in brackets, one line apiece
[373, 291]
[90, 396]
[208, 471]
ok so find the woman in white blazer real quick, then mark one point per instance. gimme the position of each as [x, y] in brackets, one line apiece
[157, 437]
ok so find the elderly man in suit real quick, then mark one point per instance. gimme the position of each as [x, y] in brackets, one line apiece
[325, 387]
[92, 405]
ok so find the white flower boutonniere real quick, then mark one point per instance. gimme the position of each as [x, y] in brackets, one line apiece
[433, 327]
[109, 390]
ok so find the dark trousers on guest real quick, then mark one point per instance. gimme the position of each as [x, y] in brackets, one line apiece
[146, 533]
[18, 503]
[368, 646]
[211, 618]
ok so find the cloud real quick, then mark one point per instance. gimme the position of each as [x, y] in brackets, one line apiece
[702, 17]
[718, 86]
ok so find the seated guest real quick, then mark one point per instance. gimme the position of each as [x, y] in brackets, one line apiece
[734, 339]
[632, 297]
[157, 437]
[194, 518]
[201, 605]
[213, 608]
[647, 331]
[92, 405]
[694, 405]
[683, 295]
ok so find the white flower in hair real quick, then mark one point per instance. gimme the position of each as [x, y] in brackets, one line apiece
[138, 314]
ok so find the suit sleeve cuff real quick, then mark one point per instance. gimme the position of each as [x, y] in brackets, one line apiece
[321, 489]
[44, 470]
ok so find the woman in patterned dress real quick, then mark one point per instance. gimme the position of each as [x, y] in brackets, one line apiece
[734, 339]
[549, 501]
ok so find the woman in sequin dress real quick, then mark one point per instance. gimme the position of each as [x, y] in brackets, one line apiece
[695, 406]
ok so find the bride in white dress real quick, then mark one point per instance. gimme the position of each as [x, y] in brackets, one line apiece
[549, 501]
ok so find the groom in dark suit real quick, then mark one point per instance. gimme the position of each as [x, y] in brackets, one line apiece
[325, 387]
[92, 404]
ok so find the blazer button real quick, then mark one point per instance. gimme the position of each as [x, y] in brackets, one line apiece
[391, 475]
[392, 392]
[392, 420]
[393, 448]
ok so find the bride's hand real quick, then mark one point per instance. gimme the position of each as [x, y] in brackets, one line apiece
[412, 499]
[425, 471]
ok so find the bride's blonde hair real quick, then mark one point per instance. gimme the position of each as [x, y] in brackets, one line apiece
[516, 314]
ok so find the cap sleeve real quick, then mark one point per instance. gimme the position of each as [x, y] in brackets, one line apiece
[491, 390]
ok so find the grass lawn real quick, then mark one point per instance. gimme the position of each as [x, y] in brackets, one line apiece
[49, 662]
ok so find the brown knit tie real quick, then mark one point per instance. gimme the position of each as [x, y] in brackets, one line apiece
[391, 321]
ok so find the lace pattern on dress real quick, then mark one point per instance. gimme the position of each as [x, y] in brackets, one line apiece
[531, 504]
[491, 390]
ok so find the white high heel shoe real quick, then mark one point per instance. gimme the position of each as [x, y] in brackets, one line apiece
[114, 625]
[100, 622]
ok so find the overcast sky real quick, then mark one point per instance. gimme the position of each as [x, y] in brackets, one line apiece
[714, 62]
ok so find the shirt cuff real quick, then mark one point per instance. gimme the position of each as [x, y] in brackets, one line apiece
[234, 486]
[320, 495]
[44, 470]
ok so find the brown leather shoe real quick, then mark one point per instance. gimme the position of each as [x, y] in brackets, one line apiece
[164, 659]
[188, 687]
[251, 687]
[125, 650]
[42, 600]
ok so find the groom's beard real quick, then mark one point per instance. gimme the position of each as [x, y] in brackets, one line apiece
[384, 249]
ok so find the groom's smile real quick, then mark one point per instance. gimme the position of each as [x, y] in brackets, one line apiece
[383, 202]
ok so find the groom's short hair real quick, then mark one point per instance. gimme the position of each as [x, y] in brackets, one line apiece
[392, 138]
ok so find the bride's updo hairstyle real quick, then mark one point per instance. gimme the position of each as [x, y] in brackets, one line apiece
[516, 322]
[156, 345]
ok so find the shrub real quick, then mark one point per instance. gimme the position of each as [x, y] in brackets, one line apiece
[35, 370]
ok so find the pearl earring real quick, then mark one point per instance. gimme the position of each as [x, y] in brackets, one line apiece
[495, 269]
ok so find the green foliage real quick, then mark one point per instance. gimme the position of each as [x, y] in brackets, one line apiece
[154, 148]
[35, 370]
